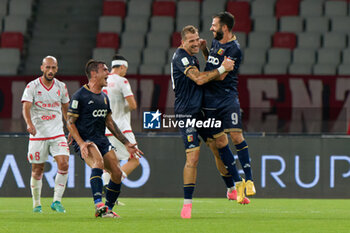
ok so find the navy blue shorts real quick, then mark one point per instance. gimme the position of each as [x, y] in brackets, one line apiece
[230, 117]
[190, 136]
[102, 144]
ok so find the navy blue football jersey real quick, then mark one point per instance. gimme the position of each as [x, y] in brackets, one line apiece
[91, 110]
[216, 90]
[188, 95]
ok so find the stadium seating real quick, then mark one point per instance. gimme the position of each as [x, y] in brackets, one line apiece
[139, 8]
[259, 40]
[239, 9]
[335, 8]
[3, 8]
[162, 24]
[14, 23]
[9, 61]
[261, 26]
[107, 40]
[291, 24]
[158, 41]
[12, 40]
[309, 40]
[317, 24]
[262, 8]
[110, 24]
[310, 8]
[114, 8]
[136, 24]
[20, 8]
[284, 40]
[103, 54]
[166, 8]
[287, 8]
[176, 39]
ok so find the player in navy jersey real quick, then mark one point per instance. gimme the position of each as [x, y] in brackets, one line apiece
[186, 81]
[88, 116]
[221, 98]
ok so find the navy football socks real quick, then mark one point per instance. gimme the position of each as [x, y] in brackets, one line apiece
[243, 156]
[188, 190]
[229, 161]
[96, 184]
[112, 194]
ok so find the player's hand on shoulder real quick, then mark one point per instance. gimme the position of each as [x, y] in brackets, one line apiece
[228, 64]
[31, 129]
[133, 150]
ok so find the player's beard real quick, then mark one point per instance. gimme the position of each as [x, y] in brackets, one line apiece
[49, 78]
[219, 35]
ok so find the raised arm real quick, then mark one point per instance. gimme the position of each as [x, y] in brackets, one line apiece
[204, 48]
[201, 78]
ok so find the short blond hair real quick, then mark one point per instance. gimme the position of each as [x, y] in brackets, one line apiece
[188, 29]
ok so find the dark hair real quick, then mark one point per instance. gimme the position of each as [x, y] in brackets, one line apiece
[118, 57]
[92, 65]
[226, 18]
[188, 29]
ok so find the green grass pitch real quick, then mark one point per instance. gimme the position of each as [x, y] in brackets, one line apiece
[163, 215]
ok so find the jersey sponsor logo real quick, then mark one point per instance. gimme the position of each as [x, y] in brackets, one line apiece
[221, 51]
[75, 104]
[99, 113]
[47, 105]
[213, 60]
[48, 118]
[39, 93]
[185, 61]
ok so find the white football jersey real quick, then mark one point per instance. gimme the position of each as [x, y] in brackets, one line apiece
[46, 111]
[117, 90]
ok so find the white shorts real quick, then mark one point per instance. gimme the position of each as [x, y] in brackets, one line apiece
[121, 151]
[38, 151]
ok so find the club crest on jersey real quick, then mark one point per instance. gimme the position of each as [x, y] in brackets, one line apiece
[221, 52]
[185, 61]
[190, 138]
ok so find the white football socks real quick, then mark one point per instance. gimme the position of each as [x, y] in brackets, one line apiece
[36, 186]
[60, 185]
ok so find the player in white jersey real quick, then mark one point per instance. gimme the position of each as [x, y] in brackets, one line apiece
[122, 102]
[45, 100]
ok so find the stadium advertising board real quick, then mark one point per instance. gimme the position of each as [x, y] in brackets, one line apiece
[290, 167]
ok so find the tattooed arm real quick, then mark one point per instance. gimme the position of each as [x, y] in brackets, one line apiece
[112, 126]
[201, 78]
